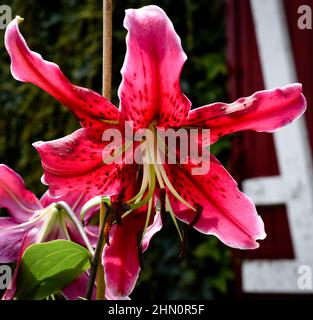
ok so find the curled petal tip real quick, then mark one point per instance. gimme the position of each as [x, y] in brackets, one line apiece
[44, 182]
[146, 9]
[37, 144]
[262, 236]
[144, 17]
[19, 19]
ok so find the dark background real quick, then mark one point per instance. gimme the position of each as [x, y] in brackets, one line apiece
[69, 33]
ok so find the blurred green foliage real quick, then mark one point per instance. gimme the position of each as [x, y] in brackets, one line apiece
[69, 32]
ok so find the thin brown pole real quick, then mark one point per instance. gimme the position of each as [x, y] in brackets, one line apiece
[106, 92]
[107, 49]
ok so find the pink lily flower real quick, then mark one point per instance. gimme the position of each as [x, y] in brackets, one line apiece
[151, 97]
[28, 213]
[31, 221]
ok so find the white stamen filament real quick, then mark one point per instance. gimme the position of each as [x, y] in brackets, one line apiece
[26, 224]
[165, 178]
[172, 189]
[145, 178]
[50, 221]
[148, 216]
[169, 208]
[150, 192]
[153, 171]
[155, 156]
[75, 222]
[64, 228]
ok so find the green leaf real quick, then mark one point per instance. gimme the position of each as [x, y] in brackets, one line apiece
[47, 268]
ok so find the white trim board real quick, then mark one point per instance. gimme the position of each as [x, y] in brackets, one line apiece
[294, 186]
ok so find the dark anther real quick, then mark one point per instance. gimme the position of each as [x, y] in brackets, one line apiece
[108, 221]
[162, 204]
[187, 228]
[197, 216]
[139, 248]
[118, 215]
[125, 207]
[118, 207]
[107, 229]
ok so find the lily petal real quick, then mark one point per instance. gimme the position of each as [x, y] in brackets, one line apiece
[155, 227]
[125, 189]
[264, 111]
[227, 213]
[121, 262]
[20, 202]
[75, 200]
[27, 240]
[93, 234]
[11, 242]
[150, 87]
[110, 296]
[74, 163]
[121, 258]
[28, 66]
[78, 289]
[6, 222]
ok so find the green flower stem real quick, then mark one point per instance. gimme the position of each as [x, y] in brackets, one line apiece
[100, 269]
[97, 258]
